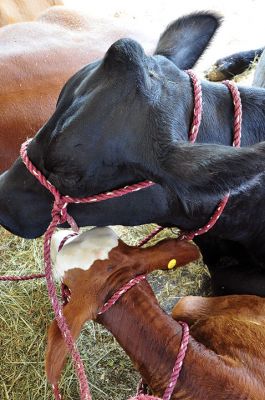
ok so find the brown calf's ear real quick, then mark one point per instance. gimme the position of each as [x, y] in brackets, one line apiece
[167, 254]
[57, 351]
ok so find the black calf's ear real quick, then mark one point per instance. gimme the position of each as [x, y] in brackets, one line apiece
[207, 169]
[184, 41]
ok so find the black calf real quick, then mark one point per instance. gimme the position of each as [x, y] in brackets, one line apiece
[126, 118]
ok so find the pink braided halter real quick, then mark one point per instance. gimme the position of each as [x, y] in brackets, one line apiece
[193, 133]
[60, 215]
[197, 110]
[238, 111]
[183, 345]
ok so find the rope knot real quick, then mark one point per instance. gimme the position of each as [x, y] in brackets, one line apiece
[59, 212]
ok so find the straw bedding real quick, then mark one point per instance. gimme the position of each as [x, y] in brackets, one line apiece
[26, 313]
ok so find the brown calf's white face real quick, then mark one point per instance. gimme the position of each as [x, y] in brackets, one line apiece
[81, 251]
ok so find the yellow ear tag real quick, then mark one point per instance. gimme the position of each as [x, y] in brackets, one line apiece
[172, 263]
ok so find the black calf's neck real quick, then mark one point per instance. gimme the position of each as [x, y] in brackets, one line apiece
[218, 113]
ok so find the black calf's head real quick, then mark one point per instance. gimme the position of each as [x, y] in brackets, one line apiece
[100, 132]
[111, 122]
[114, 115]
[115, 124]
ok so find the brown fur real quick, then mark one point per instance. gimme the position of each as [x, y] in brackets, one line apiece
[225, 354]
[37, 58]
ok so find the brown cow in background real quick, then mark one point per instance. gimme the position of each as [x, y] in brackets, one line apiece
[36, 59]
[12, 11]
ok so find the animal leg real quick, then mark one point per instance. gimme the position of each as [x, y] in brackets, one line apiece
[230, 66]
[194, 308]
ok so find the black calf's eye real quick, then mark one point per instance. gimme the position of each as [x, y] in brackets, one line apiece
[153, 74]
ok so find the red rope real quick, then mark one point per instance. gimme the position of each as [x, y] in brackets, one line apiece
[64, 200]
[58, 218]
[197, 110]
[128, 189]
[183, 344]
[214, 218]
[179, 361]
[21, 278]
[197, 113]
[56, 392]
[150, 236]
[237, 112]
[65, 240]
[60, 215]
[120, 292]
[176, 370]
[144, 397]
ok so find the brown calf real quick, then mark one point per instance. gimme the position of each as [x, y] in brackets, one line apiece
[225, 356]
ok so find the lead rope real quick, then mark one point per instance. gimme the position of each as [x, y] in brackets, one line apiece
[21, 278]
[175, 372]
[182, 349]
[60, 215]
[91, 199]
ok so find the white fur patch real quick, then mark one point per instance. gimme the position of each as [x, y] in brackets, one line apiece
[81, 251]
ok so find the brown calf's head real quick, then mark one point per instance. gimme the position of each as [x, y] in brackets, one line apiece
[93, 266]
